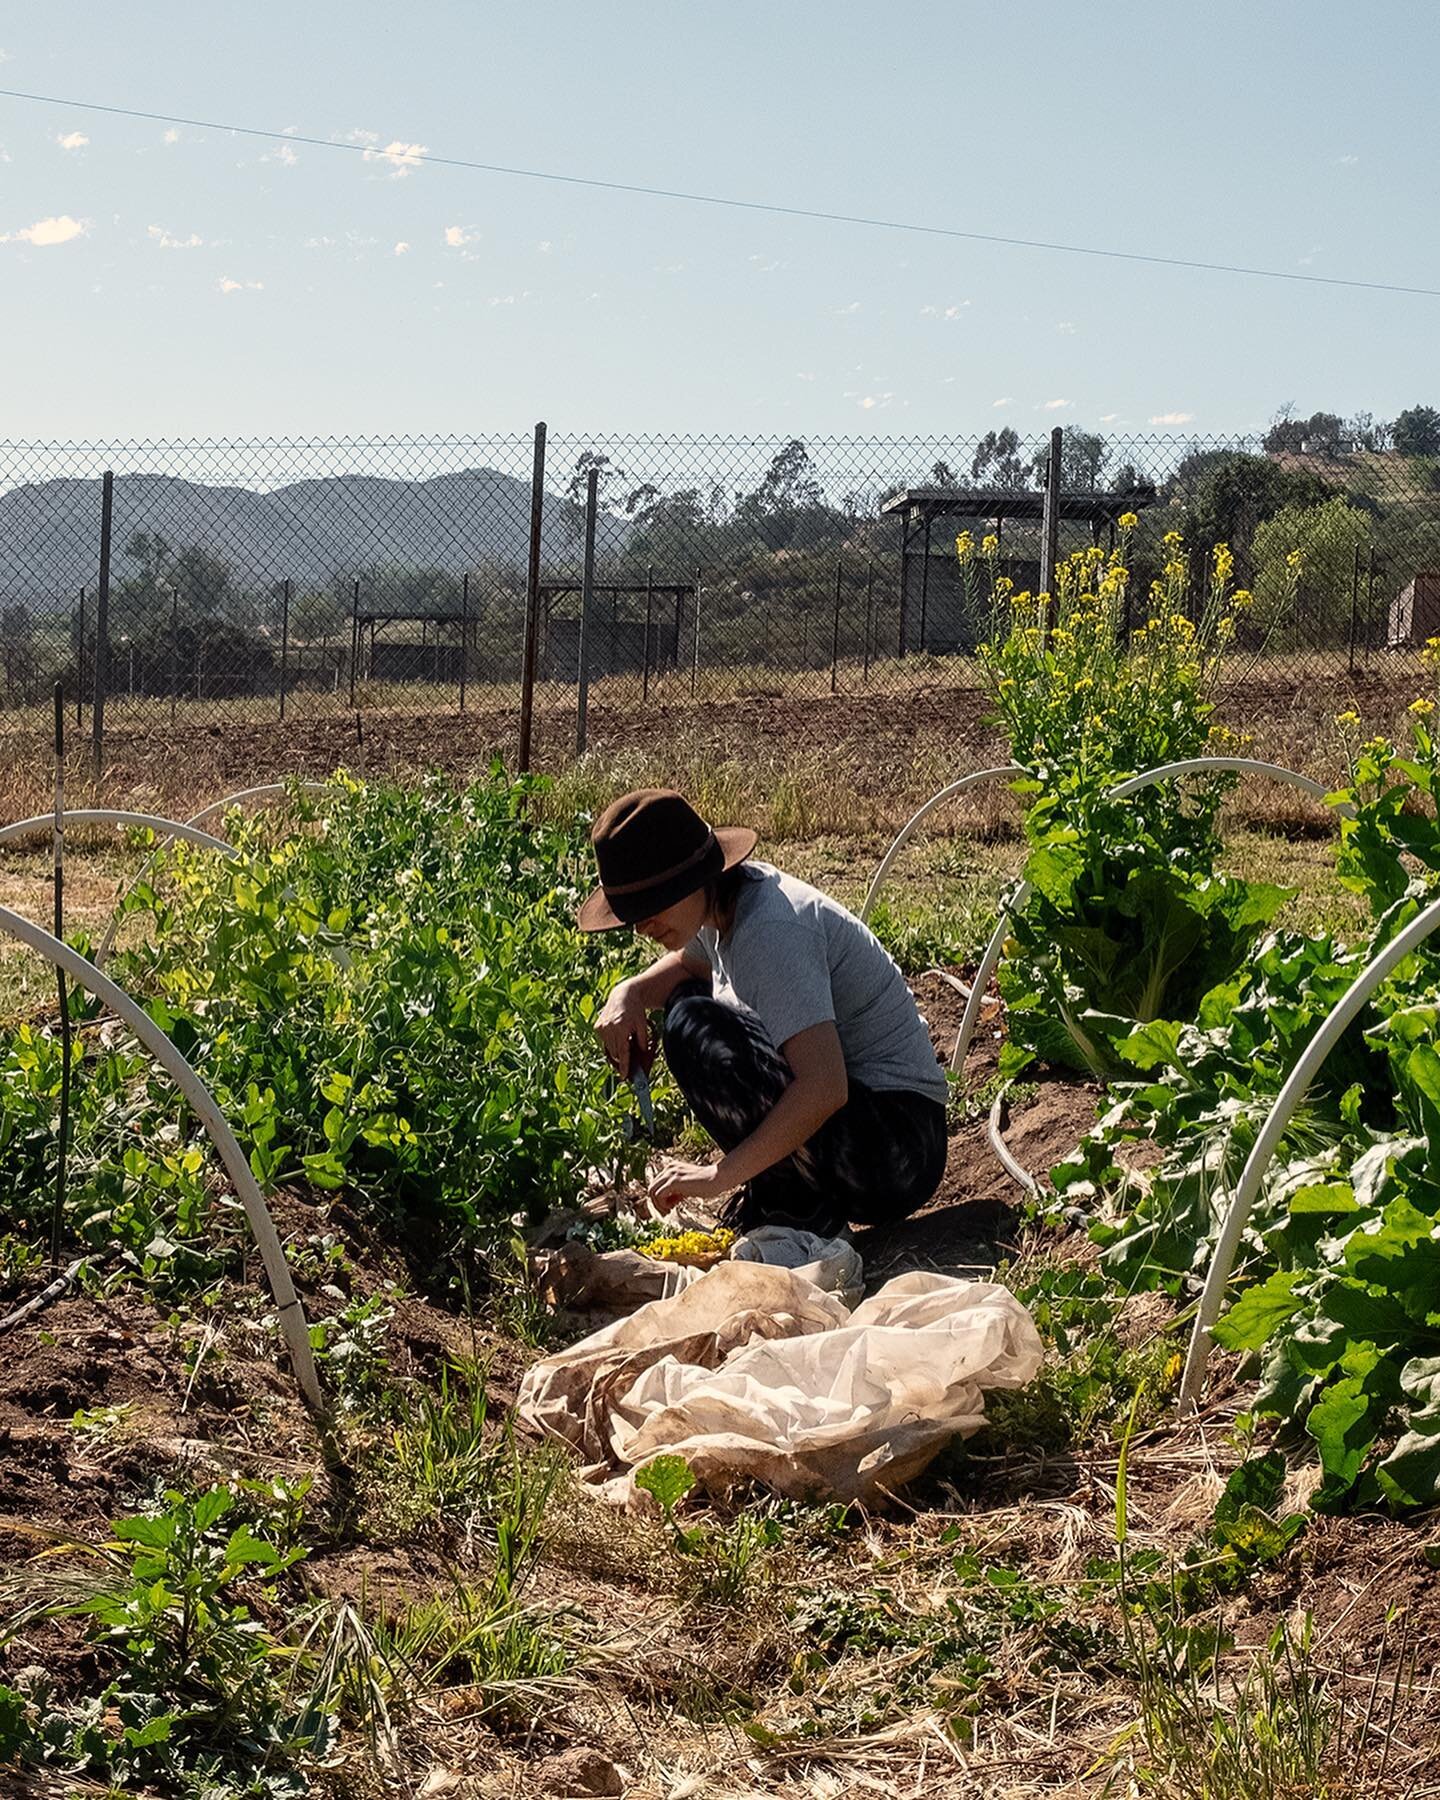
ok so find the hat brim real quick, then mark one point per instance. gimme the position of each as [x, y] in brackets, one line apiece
[602, 912]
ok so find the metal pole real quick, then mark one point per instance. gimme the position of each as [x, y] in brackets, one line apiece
[869, 615]
[587, 594]
[62, 1153]
[1354, 605]
[174, 650]
[649, 614]
[1050, 517]
[532, 599]
[80, 667]
[925, 591]
[284, 642]
[695, 661]
[464, 632]
[102, 626]
[835, 631]
[904, 570]
[354, 638]
[1370, 608]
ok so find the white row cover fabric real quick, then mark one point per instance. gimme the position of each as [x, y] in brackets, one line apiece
[754, 1372]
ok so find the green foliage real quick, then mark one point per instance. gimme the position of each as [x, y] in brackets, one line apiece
[199, 1702]
[1416, 431]
[394, 1002]
[1327, 536]
[1126, 918]
[1338, 1289]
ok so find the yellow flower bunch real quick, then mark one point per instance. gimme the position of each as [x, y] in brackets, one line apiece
[1347, 719]
[1242, 600]
[1422, 708]
[683, 1246]
[1127, 521]
[1173, 539]
[965, 547]
[1224, 560]
[990, 545]
[1295, 560]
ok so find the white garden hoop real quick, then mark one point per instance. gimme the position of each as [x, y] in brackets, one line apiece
[104, 815]
[1312, 1059]
[291, 1313]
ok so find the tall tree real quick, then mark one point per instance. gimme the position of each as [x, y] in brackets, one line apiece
[1416, 431]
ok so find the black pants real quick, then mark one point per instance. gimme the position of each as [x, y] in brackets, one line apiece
[877, 1159]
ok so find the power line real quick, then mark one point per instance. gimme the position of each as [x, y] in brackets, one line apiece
[724, 200]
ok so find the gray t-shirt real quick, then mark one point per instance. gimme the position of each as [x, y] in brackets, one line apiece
[796, 958]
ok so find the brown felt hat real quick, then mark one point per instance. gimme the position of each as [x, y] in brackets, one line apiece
[653, 849]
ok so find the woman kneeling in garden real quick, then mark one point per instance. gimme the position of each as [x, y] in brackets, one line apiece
[787, 1026]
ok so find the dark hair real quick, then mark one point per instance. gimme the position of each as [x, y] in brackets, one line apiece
[722, 892]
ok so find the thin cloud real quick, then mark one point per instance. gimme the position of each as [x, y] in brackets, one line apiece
[1066, 327]
[283, 153]
[1056, 405]
[403, 158]
[875, 402]
[402, 248]
[804, 375]
[943, 312]
[1108, 418]
[853, 307]
[457, 236]
[1346, 162]
[166, 240]
[1171, 418]
[1004, 400]
[228, 285]
[172, 136]
[73, 140]
[545, 246]
[765, 265]
[45, 233]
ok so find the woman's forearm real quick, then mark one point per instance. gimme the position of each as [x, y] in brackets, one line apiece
[653, 987]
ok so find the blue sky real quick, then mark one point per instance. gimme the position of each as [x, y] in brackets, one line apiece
[158, 281]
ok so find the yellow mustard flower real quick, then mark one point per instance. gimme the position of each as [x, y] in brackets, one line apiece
[1295, 560]
[1347, 718]
[990, 544]
[1422, 709]
[1173, 538]
[1242, 599]
[1127, 521]
[965, 546]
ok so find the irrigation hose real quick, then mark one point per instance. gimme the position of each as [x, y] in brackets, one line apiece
[1013, 1168]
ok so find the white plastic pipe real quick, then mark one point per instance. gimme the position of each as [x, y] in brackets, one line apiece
[101, 815]
[1227, 1245]
[1007, 773]
[269, 790]
[291, 1313]
[1015, 1169]
[1196, 765]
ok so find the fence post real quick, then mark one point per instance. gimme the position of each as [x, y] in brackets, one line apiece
[80, 668]
[587, 593]
[1050, 517]
[835, 630]
[1370, 608]
[174, 651]
[925, 591]
[532, 599]
[102, 626]
[284, 642]
[695, 660]
[464, 632]
[869, 615]
[649, 614]
[1354, 604]
[354, 637]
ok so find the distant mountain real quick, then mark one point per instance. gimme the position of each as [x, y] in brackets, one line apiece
[307, 531]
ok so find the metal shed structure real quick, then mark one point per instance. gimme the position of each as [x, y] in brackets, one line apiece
[936, 613]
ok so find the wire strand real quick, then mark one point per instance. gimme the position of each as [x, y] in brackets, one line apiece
[775, 208]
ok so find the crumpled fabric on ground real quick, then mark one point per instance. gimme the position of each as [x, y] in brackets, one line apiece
[754, 1373]
[831, 1263]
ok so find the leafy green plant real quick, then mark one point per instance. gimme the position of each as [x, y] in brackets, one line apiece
[198, 1701]
[1127, 918]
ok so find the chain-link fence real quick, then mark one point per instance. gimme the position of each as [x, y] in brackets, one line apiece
[266, 582]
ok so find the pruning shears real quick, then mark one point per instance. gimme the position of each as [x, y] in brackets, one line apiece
[639, 1079]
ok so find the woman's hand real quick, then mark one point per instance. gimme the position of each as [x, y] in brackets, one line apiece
[675, 1180]
[623, 1028]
